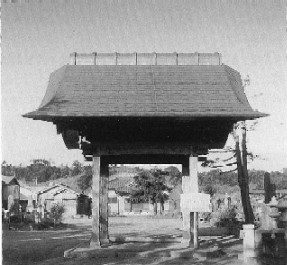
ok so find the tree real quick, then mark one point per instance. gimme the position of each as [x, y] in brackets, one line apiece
[210, 189]
[65, 171]
[77, 168]
[243, 178]
[57, 211]
[85, 181]
[150, 186]
[7, 170]
[240, 153]
[175, 176]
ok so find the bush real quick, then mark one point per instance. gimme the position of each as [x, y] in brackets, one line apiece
[224, 217]
[57, 211]
[14, 208]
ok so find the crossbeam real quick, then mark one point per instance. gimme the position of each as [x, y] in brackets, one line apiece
[144, 159]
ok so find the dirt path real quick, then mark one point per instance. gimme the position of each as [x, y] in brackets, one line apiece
[47, 247]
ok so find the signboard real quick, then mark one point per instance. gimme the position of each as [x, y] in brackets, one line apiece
[195, 202]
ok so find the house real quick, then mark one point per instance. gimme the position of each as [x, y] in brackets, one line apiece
[27, 199]
[73, 202]
[119, 195]
[120, 202]
[10, 191]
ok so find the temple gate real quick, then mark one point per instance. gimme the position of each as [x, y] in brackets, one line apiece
[143, 108]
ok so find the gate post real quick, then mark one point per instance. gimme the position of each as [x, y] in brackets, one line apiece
[100, 182]
[190, 219]
[104, 212]
[95, 238]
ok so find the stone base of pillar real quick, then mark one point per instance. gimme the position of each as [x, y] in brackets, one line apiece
[187, 239]
[95, 245]
[105, 243]
[185, 220]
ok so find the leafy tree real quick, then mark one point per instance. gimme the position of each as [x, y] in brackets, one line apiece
[85, 181]
[7, 170]
[14, 208]
[174, 175]
[40, 161]
[77, 168]
[65, 172]
[150, 186]
[241, 154]
[210, 189]
[57, 211]
[243, 178]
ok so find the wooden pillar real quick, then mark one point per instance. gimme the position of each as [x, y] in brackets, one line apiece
[100, 236]
[95, 238]
[190, 219]
[104, 211]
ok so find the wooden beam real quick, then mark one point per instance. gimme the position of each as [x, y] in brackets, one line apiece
[145, 159]
[95, 238]
[104, 215]
[193, 174]
[190, 185]
[140, 148]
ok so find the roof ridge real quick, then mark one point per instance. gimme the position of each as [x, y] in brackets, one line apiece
[138, 58]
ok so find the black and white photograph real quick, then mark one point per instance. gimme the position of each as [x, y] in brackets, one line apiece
[144, 132]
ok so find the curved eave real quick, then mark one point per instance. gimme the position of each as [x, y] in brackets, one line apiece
[37, 115]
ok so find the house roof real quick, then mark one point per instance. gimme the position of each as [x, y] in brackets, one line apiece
[57, 188]
[121, 184]
[27, 193]
[193, 91]
[9, 180]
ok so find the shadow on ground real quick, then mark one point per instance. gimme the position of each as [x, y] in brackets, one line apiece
[160, 254]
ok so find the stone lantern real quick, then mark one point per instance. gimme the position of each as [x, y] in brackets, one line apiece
[274, 213]
[282, 207]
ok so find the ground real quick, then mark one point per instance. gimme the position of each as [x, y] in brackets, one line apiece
[47, 247]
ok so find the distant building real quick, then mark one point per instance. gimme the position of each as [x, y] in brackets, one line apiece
[27, 198]
[120, 202]
[73, 202]
[10, 191]
[261, 192]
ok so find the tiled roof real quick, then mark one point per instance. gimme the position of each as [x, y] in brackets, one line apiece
[121, 184]
[144, 91]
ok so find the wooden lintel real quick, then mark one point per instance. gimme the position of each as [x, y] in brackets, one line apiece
[142, 149]
[145, 159]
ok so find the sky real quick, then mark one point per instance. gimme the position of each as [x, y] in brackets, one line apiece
[37, 38]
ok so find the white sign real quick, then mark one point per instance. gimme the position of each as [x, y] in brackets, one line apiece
[195, 202]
